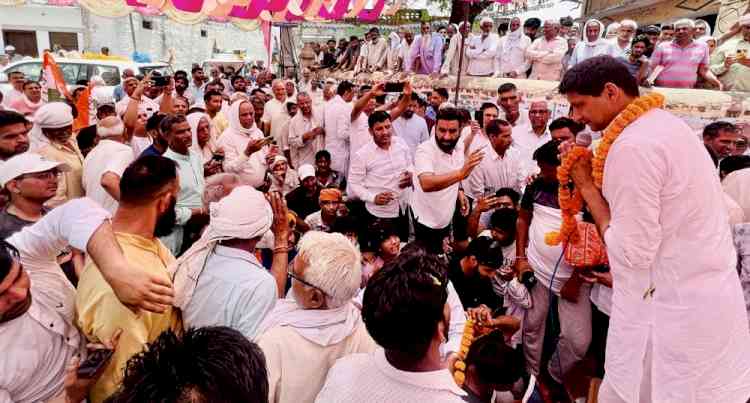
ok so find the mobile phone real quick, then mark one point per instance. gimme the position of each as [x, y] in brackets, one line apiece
[269, 140]
[96, 360]
[601, 268]
[394, 87]
[161, 81]
[218, 157]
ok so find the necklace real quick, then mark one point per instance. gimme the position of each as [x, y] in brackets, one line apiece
[571, 200]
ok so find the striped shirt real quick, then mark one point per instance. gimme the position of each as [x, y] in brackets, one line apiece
[681, 64]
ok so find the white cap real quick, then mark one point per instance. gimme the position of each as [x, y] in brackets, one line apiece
[28, 163]
[305, 171]
[10, 48]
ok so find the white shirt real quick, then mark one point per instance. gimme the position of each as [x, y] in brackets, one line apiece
[276, 115]
[495, 172]
[669, 233]
[370, 378]
[252, 169]
[139, 144]
[413, 131]
[38, 345]
[526, 141]
[301, 151]
[453, 55]
[337, 122]
[375, 170]
[435, 209]
[481, 54]
[146, 105]
[376, 53]
[359, 133]
[10, 96]
[511, 55]
[107, 156]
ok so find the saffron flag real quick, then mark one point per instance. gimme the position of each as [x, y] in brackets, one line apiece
[265, 27]
[82, 107]
[53, 77]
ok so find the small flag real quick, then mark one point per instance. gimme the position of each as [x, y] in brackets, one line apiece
[53, 76]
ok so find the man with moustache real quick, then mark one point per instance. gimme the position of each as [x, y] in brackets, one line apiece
[440, 165]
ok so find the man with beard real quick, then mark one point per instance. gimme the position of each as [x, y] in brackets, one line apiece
[482, 50]
[625, 35]
[404, 53]
[472, 273]
[440, 165]
[426, 55]
[14, 134]
[637, 62]
[377, 50]
[511, 52]
[148, 196]
[181, 85]
[411, 128]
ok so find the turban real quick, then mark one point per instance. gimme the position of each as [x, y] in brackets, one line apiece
[243, 214]
[486, 20]
[54, 115]
[277, 160]
[111, 126]
[745, 20]
[330, 194]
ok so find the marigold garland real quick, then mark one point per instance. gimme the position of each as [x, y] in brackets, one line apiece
[459, 374]
[571, 201]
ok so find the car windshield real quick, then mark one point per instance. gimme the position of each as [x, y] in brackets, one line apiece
[164, 70]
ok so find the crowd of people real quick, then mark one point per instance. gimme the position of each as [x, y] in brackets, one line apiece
[681, 54]
[251, 239]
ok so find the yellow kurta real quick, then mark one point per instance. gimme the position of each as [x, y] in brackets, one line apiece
[100, 313]
[218, 124]
[69, 185]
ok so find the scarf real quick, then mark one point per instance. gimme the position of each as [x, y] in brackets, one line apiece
[206, 152]
[234, 119]
[587, 49]
[513, 38]
[243, 214]
[324, 327]
[737, 186]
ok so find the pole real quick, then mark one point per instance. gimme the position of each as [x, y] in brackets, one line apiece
[465, 4]
[132, 31]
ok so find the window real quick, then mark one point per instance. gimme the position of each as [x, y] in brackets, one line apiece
[147, 24]
[204, 33]
[70, 72]
[64, 40]
[32, 70]
[110, 74]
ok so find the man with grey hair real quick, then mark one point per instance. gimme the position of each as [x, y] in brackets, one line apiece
[625, 34]
[679, 63]
[219, 281]
[546, 53]
[317, 323]
[306, 134]
[482, 50]
[106, 162]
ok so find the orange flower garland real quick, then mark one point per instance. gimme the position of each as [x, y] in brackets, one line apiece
[459, 374]
[571, 201]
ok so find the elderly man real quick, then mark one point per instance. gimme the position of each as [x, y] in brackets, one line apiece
[54, 122]
[482, 51]
[119, 91]
[593, 44]
[244, 147]
[426, 54]
[275, 107]
[546, 53]
[511, 59]
[103, 167]
[679, 63]
[720, 138]
[306, 134]
[625, 34]
[304, 199]
[453, 54]
[308, 331]
[16, 79]
[219, 281]
[529, 137]
[731, 62]
[377, 50]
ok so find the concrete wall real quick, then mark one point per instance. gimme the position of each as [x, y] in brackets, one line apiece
[43, 20]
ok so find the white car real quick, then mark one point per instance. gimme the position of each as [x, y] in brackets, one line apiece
[75, 70]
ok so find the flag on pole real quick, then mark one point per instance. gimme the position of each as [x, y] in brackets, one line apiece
[82, 106]
[265, 27]
[53, 77]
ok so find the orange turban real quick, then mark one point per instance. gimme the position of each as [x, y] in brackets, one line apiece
[330, 194]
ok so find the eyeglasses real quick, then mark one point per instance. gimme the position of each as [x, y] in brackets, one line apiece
[298, 278]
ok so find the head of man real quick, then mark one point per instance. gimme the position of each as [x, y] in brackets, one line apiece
[509, 100]
[486, 26]
[129, 85]
[503, 219]
[239, 83]
[667, 33]
[598, 89]
[438, 97]
[220, 363]
[149, 188]
[547, 160]
[307, 177]
[721, 137]
[31, 179]
[424, 28]
[483, 257]
[17, 79]
[701, 27]
[246, 114]
[105, 110]
[489, 113]
[15, 285]
[289, 87]
[329, 91]
[683, 30]
[181, 83]
[531, 27]
[384, 240]
[353, 43]
[593, 30]
[627, 30]
[499, 133]
[180, 105]
[551, 29]
[323, 163]
[380, 129]
[304, 103]
[330, 201]
[198, 74]
[14, 134]
[539, 115]
[652, 33]
[327, 272]
[33, 91]
[331, 45]
[492, 365]
[447, 129]
[411, 107]
[639, 46]
[374, 34]
[345, 90]
[213, 100]
[258, 102]
[409, 37]
[151, 127]
[564, 129]
[110, 128]
[565, 24]
[405, 308]
[56, 121]
[180, 137]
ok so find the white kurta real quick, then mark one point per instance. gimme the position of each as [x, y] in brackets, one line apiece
[337, 122]
[688, 341]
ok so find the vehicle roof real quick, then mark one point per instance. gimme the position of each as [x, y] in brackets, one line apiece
[127, 63]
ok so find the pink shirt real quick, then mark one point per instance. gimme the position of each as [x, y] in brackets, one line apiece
[546, 58]
[669, 233]
[681, 65]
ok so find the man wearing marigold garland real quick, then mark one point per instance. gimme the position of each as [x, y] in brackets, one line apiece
[678, 330]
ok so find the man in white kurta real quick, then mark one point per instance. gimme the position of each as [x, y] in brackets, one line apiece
[678, 330]
[482, 51]
[337, 122]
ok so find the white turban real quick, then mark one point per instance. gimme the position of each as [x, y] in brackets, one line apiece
[486, 20]
[111, 126]
[243, 214]
[54, 115]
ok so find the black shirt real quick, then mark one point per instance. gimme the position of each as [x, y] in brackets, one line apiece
[542, 193]
[302, 204]
[472, 291]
